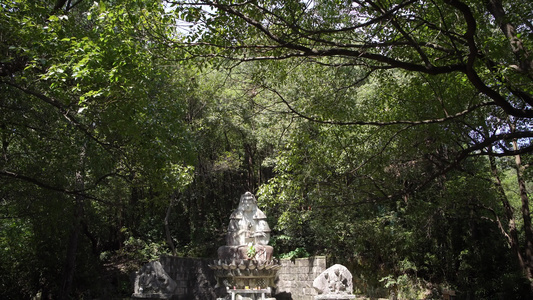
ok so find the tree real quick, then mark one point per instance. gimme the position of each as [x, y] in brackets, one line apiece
[124, 136]
[468, 62]
[486, 44]
[84, 148]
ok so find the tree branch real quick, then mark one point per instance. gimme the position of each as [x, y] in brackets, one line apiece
[376, 123]
[495, 7]
[470, 71]
[63, 110]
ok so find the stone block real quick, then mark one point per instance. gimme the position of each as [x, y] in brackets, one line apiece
[181, 291]
[303, 270]
[302, 262]
[287, 277]
[320, 261]
[317, 270]
[334, 297]
[295, 286]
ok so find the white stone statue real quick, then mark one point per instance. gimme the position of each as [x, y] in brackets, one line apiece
[245, 265]
[334, 283]
[248, 233]
[248, 224]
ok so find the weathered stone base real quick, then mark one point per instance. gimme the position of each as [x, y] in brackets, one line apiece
[246, 298]
[334, 297]
[263, 253]
[152, 296]
[196, 281]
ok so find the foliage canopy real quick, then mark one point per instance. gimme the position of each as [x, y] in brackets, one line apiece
[392, 136]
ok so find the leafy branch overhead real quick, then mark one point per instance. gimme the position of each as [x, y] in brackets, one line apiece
[486, 44]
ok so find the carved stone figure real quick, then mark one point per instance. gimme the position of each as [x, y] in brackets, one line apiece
[152, 281]
[248, 233]
[245, 265]
[334, 283]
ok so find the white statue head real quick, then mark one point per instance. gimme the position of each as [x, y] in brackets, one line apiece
[248, 203]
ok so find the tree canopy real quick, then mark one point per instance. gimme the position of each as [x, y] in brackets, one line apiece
[483, 44]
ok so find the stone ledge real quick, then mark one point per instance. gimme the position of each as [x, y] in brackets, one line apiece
[334, 297]
[151, 296]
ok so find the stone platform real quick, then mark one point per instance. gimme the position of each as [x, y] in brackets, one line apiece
[334, 297]
[195, 280]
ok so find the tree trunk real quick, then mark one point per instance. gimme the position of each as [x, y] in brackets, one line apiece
[70, 262]
[512, 234]
[249, 158]
[69, 269]
[528, 231]
[167, 229]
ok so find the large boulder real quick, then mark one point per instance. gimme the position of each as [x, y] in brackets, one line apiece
[334, 283]
[153, 282]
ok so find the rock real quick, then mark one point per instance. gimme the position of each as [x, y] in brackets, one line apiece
[334, 283]
[153, 282]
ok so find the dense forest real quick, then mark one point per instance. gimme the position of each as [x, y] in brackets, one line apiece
[392, 136]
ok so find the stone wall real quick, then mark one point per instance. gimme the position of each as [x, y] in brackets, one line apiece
[196, 281]
[295, 278]
[194, 278]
